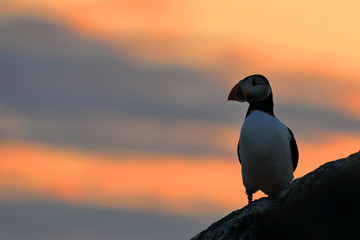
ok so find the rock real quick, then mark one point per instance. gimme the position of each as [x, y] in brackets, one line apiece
[324, 204]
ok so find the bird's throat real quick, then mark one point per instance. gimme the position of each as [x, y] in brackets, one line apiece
[266, 105]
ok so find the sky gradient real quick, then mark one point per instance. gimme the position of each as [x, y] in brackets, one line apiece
[116, 111]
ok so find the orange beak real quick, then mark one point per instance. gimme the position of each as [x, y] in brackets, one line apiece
[235, 94]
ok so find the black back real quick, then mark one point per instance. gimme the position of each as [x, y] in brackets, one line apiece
[294, 150]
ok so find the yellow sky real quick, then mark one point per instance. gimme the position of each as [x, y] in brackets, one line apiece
[320, 35]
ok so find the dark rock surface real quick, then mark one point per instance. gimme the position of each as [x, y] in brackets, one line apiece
[324, 204]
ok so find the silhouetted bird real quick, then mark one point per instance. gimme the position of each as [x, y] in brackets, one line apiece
[267, 149]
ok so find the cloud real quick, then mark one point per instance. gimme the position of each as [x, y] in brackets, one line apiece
[60, 87]
[70, 89]
[160, 182]
[314, 123]
[317, 105]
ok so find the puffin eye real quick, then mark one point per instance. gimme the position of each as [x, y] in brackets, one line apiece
[253, 82]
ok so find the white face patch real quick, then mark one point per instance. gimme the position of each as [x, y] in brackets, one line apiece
[255, 89]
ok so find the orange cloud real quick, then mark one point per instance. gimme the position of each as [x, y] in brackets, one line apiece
[159, 17]
[140, 181]
[168, 182]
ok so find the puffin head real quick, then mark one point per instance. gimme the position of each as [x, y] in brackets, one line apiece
[254, 88]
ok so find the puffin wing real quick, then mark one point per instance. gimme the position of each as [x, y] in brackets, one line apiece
[294, 150]
[238, 151]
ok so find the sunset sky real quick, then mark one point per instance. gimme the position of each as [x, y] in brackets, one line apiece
[115, 112]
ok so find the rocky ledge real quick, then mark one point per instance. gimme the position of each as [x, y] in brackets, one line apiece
[324, 204]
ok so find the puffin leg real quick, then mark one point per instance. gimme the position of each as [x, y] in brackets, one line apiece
[249, 198]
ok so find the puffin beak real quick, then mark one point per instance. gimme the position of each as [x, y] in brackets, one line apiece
[232, 95]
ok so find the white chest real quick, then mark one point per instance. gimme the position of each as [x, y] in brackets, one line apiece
[264, 149]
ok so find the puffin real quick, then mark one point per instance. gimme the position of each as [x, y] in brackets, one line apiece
[267, 149]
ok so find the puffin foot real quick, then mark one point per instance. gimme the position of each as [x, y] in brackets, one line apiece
[249, 198]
